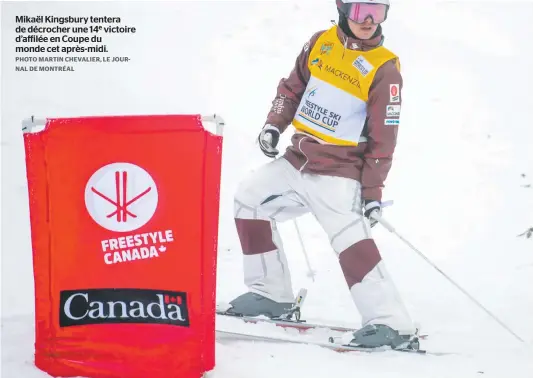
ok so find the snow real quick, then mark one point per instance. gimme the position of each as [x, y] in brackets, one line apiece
[459, 180]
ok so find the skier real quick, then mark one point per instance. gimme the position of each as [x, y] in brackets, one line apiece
[343, 98]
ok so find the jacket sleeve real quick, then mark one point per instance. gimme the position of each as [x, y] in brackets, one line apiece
[382, 129]
[291, 89]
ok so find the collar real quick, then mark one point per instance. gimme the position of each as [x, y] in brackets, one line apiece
[359, 44]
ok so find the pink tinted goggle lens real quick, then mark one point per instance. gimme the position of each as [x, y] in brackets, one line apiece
[359, 12]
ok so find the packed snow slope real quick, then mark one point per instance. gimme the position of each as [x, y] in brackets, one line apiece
[461, 179]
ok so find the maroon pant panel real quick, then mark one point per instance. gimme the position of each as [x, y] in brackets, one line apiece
[255, 236]
[358, 260]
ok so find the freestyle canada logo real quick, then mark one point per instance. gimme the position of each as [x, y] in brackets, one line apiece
[105, 306]
[123, 197]
[135, 247]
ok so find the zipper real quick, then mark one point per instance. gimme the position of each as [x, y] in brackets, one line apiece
[306, 157]
[344, 45]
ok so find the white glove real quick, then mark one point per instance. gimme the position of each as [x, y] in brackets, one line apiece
[372, 206]
[268, 140]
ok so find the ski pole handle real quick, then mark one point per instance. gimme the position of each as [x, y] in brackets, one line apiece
[387, 203]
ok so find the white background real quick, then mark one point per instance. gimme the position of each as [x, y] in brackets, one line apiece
[460, 197]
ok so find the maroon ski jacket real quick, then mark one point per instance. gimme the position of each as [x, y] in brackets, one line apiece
[368, 162]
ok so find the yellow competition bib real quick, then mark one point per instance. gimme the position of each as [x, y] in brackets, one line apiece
[333, 107]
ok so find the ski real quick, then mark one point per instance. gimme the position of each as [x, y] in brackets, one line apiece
[301, 325]
[331, 345]
[286, 320]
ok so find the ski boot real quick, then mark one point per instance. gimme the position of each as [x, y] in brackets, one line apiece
[252, 304]
[379, 335]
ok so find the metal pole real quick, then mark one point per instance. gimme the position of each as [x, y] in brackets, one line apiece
[311, 272]
[218, 120]
[389, 227]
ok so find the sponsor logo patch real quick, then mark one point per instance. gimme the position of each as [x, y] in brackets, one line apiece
[326, 48]
[363, 65]
[342, 75]
[394, 93]
[311, 91]
[391, 122]
[393, 110]
[317, 62]
[112, 306]
[311, 111]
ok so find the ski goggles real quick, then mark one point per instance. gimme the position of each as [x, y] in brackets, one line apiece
[359, 12]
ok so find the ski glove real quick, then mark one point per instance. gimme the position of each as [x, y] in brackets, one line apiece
[268, 140]
[370, 207]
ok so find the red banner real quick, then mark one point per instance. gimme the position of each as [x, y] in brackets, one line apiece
[124, 218]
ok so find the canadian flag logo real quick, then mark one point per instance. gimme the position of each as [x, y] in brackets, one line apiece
[395, 93]
[121, 197]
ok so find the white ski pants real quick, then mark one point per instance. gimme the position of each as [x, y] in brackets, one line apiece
[277, 192]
